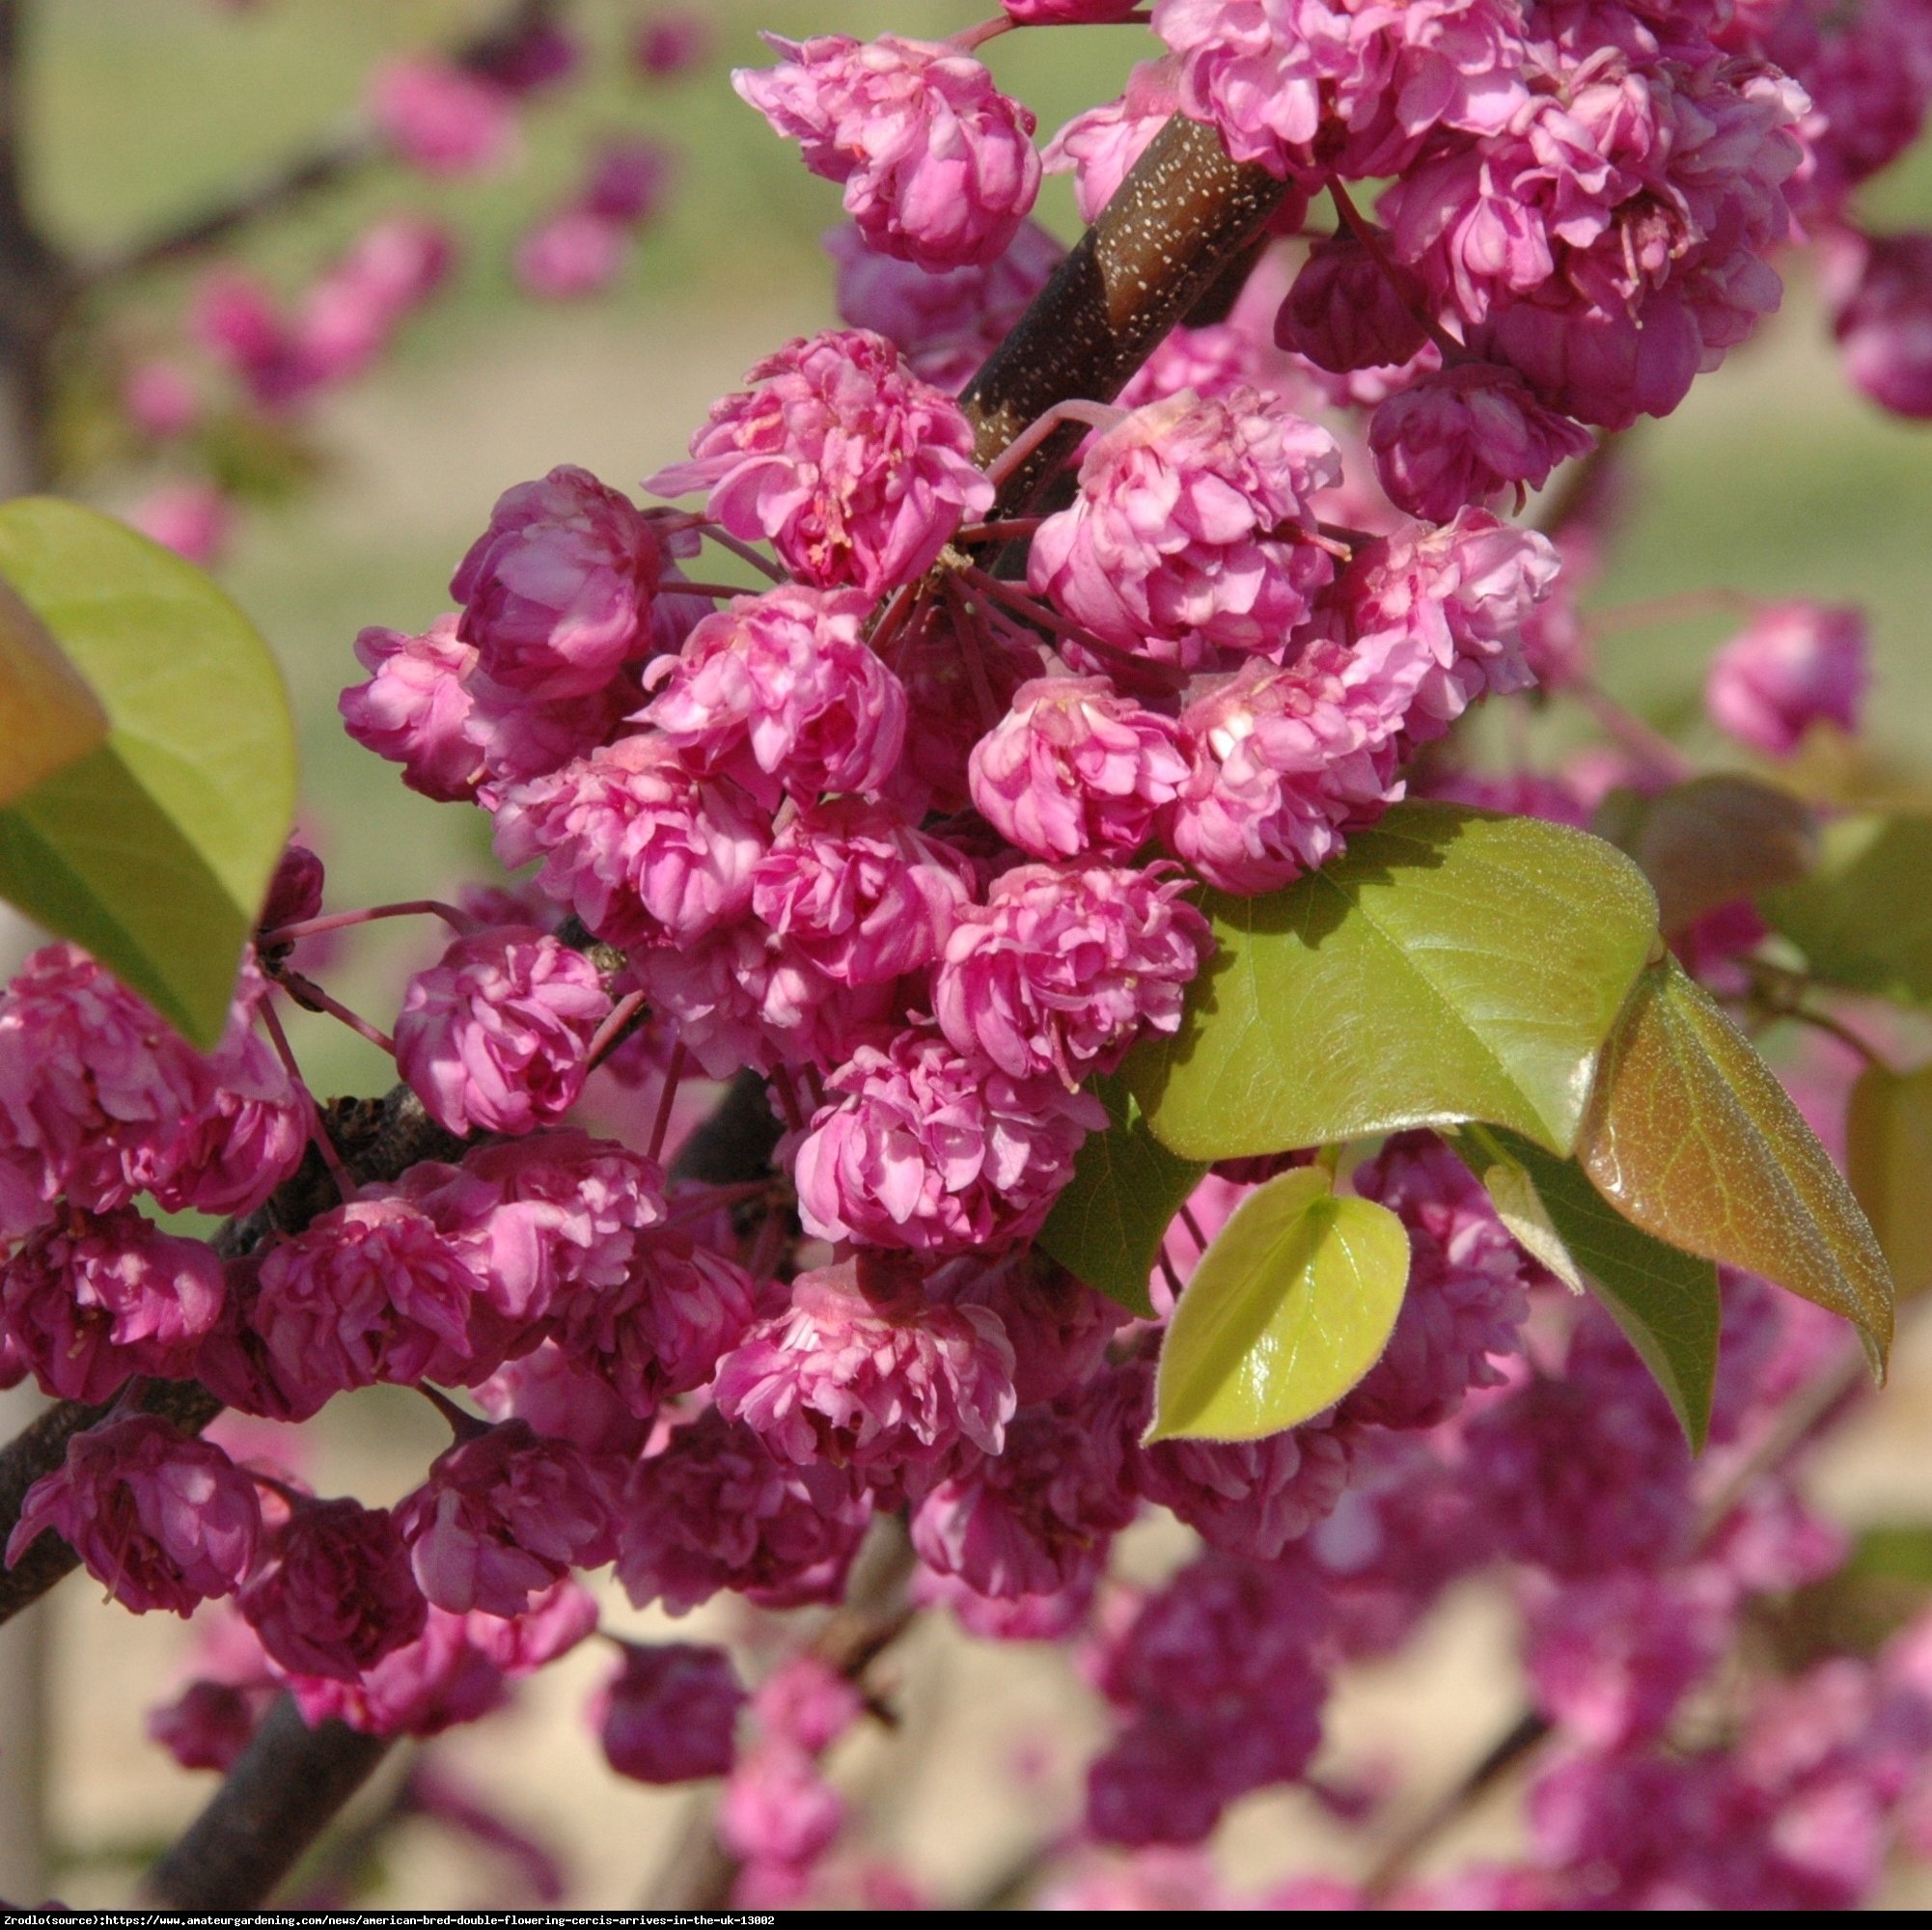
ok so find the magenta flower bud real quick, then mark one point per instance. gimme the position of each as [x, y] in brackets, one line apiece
[857, 472]
[1250, 1497]
[1468, 1287]
[937, 164]
[557, 591]
[1060, 971]
[1038, 1518]
[441, 119]
[670, 1713]
[535, 57]
[209, 1723]
[945, 325]
[1796, 665]
[1074, 769]
[160, 399]
[414, 706]
[160, 1519]
[662, 1330]
[371, 1291]
[1100, 147]
[778, 1812]
[335, 1594]
[497, 1037]
[857, 892]
[573, 253]
[807, 1703]
[1344, 312]
[513, 737]
[502, 1517]
[1469, 435]
[890, 1392]
[1183, 539]
[782, 693]
[715, 1509]
[193, 519]
[94, 1300]
[923, 1148]
[1068, 12]
[644, 848]
[1884, 324]
[627, 180]
[671, 42]
[296, 892]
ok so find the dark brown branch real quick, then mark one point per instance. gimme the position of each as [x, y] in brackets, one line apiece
[1161, 245]
[299, 181]
[285, 1788]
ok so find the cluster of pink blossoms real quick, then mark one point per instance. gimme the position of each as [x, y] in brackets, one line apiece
[914, 835]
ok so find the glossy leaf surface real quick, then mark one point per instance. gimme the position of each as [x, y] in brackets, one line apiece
[1692, 1137]
[154, 848]
[1450, 965]
[1666, 1301]
[1106, 1227]
[1290, 1306]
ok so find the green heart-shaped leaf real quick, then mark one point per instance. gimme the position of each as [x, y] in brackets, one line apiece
[1290, 1306]
[1450, 965]
[1691, 1136]
[152, 850]
[1864, 917]
[1889, 1162]
[48, 717]
[1106, 1227]
[1666, 1301]
[1712, 841]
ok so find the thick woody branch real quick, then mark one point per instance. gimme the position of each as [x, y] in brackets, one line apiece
[308, 174]
[285, 1788]
[1169, 235]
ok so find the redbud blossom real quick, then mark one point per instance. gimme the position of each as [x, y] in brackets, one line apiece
[414, 705]
[1347, 310]
[1060, 971]
[669, 1713]
[93, 1300]
[1189, 532]
[1884, 324]
[557, 591]
[193, 519]
[160, 1519]
[857, 892]
[645, 849]
[1100, 147]
[938, 165]
[502, 1517]
[717, 1509]
[496, 1038]
[1470, 434]
[777, 1811]
[1796, 665]
[335, 1594]
[888, 1391]
[782, 693]
[923, 1148]
[858, 471]
[573, 253]
[1250, 1498]
[1074, 769]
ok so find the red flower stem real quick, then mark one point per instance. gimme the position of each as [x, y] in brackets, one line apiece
[1364, 233]
[308, 994]
[604, 1039]
[725, 540]
[894, 618]
[969, 38]
[972, 630]
[463, 1425]
[1192, 1227]
[1169, 676]
[341, 921]
[1095, 415]
[1003, 530]
[673, 1073]
[318, 1133]
[1713, 602]
[1169, 1274]
[1651, 748]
